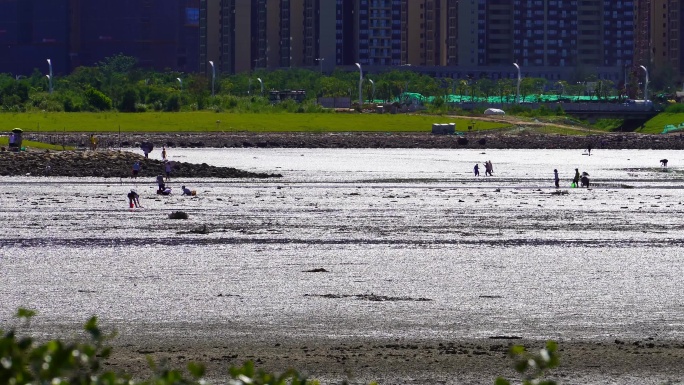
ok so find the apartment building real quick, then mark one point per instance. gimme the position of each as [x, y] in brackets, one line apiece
[379, 32]
[161, 34]
[665, 35]
[31, 31]
[549, 37]
[424, 30]
[618, 33]
[272, 34]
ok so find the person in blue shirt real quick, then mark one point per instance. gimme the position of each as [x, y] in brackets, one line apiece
[136, 169]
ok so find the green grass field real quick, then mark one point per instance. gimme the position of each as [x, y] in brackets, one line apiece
[658, 123]
[227, 122]
[4, 141]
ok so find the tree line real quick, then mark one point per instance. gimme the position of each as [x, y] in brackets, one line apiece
[117, 83]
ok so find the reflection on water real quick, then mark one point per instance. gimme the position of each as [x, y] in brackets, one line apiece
[456, 255]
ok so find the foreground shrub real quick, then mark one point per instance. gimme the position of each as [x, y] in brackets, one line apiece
[23, 362]
[55, 362]
[533, 367]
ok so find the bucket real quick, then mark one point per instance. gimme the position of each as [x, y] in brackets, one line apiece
[131, 204]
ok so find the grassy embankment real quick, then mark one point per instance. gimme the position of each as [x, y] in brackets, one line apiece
[658, 123]
[227, 122]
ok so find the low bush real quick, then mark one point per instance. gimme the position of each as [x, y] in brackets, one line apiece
[533, 367]
[24, 362]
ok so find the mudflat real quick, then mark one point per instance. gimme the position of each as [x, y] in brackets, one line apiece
[396, 266]
[360, 360]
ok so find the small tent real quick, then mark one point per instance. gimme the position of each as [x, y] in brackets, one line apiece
[494, 111]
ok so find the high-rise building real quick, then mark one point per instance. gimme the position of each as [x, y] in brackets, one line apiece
[274, 34]
[665, 35]
[161, 34]
[423, 32]
[618, 33]
[32, 31]
[549, 38]
[495, 37]
[379, 32]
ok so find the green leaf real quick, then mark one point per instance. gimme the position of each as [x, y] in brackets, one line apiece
[551, 346]
[91, 327]
[197, 370]
[517, 350]
[24, 343]
[501, 381]
[521, 366]
[25, 313]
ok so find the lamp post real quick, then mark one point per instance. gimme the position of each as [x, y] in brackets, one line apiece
[213, 77]
[50, 76]
[372, 90]
[320, 61]
[261, 82]
[645, 82]
[360, 84]
[562, 89]
[181, 83]
[517, 88]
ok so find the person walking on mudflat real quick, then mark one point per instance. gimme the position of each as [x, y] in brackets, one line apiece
[476, 169]
[167, 168]
[489, 169]
[576, 179]
[136, 169]
[556, 180]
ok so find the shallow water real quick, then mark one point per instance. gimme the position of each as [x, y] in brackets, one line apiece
[412, 243]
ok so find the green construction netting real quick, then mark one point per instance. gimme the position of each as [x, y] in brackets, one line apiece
[672, 127]
[544, 98]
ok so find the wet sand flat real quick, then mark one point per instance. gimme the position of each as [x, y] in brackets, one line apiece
[390, 266]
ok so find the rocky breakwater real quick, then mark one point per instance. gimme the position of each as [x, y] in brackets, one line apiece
[107, 164]
[494, 139]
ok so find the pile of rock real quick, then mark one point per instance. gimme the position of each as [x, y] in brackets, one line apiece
[502, 139]
[107, 164]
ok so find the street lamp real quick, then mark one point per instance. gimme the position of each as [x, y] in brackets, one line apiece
[320, 61]
[50, 76]
[645, 83]
[213, 77]
[360, 84]
[562, 89]
[181, 83]
[372, 90]
[517, 89]
[262, 86]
